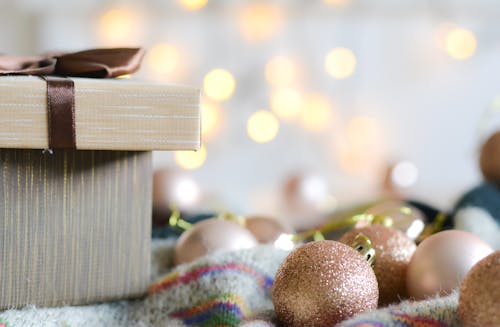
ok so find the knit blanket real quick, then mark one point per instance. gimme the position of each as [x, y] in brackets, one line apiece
[223, 289]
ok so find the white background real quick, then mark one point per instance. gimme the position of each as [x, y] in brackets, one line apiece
[427, 106]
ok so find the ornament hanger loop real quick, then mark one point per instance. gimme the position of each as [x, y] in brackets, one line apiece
[363, 245]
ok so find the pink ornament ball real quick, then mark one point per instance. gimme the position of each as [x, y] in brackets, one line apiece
[441, 262]
[209, 236]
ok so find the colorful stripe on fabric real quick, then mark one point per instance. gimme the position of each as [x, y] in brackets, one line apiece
[223, 310]
[178, 279]
[416, 321]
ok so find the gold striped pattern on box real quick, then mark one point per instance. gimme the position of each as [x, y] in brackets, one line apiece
[110, 114]
[75, 227]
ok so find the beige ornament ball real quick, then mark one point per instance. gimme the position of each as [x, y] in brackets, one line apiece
[393, 253]
[209, 236]
[266, 230]
[479, 301]
[323, 283]
[441, 262]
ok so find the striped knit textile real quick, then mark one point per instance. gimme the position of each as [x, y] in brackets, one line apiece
[224, 289]
[436, 312]
[222, 307]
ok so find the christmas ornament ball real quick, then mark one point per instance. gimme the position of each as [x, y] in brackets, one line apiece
[304, 199]
[323, 283]
[393, 251]
[441, 262]
[173, 188]
[211, 235]
[265, 229]
[404, 217]
[489, 160]
[478, 304]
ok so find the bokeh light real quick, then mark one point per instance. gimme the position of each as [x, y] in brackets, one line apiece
[313, 189]
[442, 32]
[191, 159]
[337, 3]
[210, 119]
[284, 242]
[340, 63]
[286, 103]
[352, 161]
[361, 149]
[262, 126]
[316, 113]
[186, 192]
[163, 58]
[193, 4]
[461, 43]
[259, 22]
[362, 132]
[118, 26]
[415, 229]
[404, 174]
[219, 84]
[281, 71]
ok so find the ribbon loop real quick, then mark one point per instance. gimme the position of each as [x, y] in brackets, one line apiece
[40, 65]
[99, 63]
[94, 63]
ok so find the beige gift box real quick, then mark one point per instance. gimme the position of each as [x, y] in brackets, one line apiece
[75, 225]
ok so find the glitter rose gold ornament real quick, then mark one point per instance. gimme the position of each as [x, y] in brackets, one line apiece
[323, 283]
[266, 230]
[479, 300]
[441, 262]
[393, 253]
[209, 236]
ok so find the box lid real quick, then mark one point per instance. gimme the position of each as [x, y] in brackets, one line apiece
[110, 114]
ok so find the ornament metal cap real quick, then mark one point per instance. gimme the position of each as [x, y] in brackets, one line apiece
[363, 245]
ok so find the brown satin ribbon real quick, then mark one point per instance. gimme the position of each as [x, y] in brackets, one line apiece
[54, 69]
[61, 112]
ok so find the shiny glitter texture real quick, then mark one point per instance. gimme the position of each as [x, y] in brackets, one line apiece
[479, 301]
[323, 283]
[209, 236]
[393, 251]
[441, 262]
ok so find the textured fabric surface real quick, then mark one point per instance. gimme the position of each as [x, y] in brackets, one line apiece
[224, 289]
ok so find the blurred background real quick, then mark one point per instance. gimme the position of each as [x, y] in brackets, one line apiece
[328, 103]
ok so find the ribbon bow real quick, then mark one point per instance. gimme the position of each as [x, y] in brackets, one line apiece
[55, 68]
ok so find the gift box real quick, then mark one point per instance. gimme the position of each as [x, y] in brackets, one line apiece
[76, 192]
